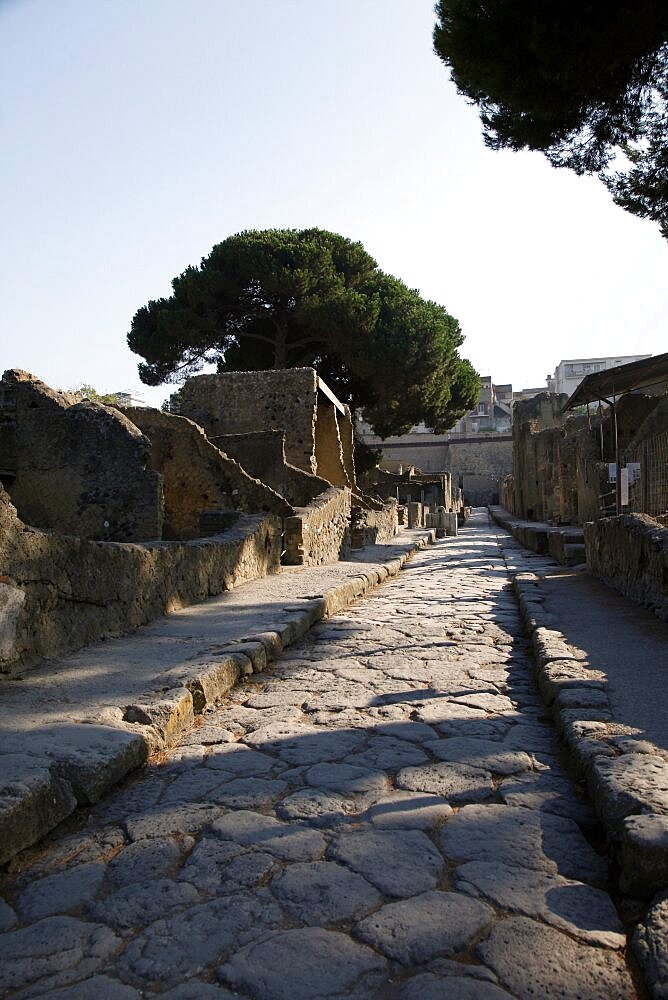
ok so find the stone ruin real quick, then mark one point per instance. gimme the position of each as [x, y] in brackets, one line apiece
[77, 467]
[316, 429]
[562, 498]
[112, 515]
[561, 461]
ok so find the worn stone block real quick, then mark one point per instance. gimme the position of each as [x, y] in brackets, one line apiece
[398, 862]
[643, 850]
[169, 715]
[650, 944]
[552, 963]
[324, 892]
[574, 907]
[632, 783]
[33, 799]
[54, 952]
[417, 930]
[286, 966]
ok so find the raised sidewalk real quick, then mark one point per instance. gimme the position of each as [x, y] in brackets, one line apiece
[602, 667]
[72, 728]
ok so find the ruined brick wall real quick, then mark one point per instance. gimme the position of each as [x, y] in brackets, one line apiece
[59, 593]
[80, 468]
[546, 477]
[531, 416]
[320, 532]
[262, 455]
[630, 553]
[243, 402]
[196, 476]
[594, 492]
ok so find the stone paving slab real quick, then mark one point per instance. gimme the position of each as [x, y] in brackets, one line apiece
[72, 728]
[340, 885]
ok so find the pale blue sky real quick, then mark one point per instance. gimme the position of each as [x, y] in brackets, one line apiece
[136, 134]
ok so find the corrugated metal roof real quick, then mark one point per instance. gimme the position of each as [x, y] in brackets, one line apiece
[616, 381]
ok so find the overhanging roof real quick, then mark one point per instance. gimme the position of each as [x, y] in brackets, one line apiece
[617, 381]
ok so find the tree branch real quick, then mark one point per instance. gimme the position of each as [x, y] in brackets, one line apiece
[255, 336]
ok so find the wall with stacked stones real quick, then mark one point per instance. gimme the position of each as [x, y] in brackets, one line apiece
[369, 526]
[630, 552]
[320, 532]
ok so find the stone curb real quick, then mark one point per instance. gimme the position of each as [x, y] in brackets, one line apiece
[563, 544]
[169, 715]
[36, 794]
[627, 779]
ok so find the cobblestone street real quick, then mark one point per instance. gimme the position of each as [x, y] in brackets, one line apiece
[381, 814]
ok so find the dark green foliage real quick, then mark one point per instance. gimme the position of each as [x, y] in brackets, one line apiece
[643, 189]
[288, 298]
[580, 80]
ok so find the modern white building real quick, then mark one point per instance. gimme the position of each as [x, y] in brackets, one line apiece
[569, 373]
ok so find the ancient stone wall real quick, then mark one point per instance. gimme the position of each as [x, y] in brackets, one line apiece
[370, 527]
[243, 402]
[328, 447]
[560, 461]
[77, 467]
[654, 422]
[480, 491]
[262, 455]
[318, 439]
[347, 438]
[507, 495]
[630, 553]
[196, 476]
[320, 532]
[59, 593]
[531, 457]
[492, 458]
[636, 416]
[594, 491]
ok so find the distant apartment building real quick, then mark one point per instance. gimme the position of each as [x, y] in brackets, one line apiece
[491, 414]
[569, 373]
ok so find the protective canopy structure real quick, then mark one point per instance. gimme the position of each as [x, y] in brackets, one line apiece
[614, 382]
